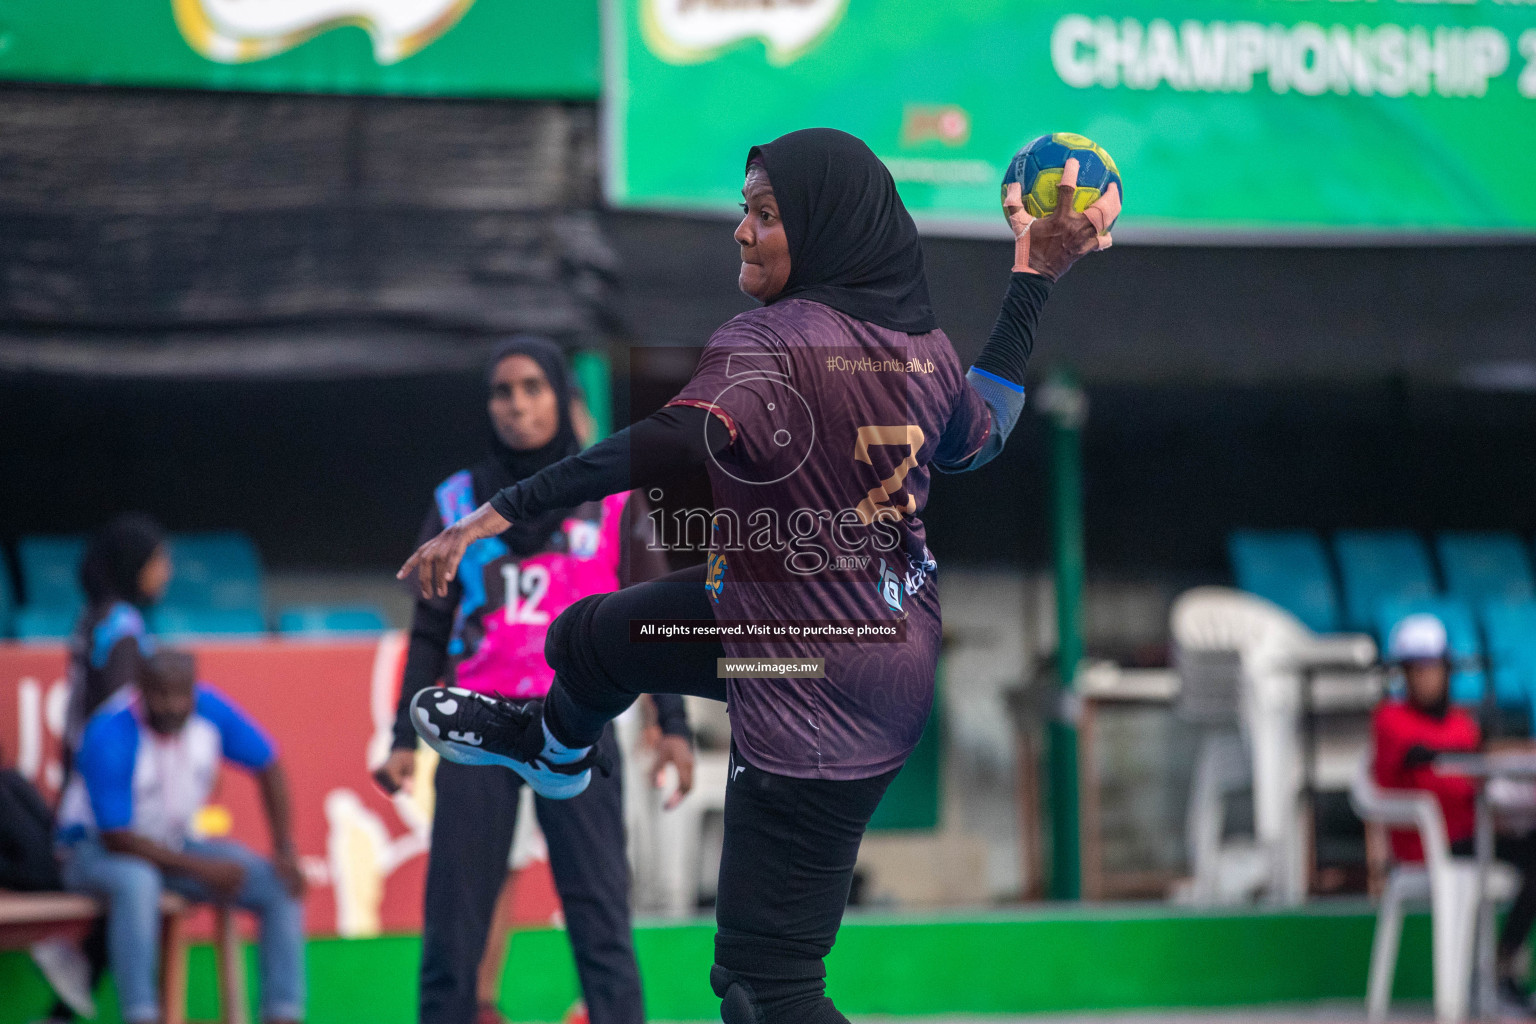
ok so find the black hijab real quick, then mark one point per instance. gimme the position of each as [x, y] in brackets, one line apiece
[507, 465]
[114, 557]
[852, 244]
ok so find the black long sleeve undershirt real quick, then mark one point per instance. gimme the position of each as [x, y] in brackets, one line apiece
[426, 659]
[1006, 354]
[652, 451]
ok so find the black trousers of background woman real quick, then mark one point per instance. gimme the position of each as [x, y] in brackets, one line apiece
[790, 844]
[472, 828]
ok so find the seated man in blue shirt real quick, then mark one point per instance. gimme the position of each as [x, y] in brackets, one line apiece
[147, 764]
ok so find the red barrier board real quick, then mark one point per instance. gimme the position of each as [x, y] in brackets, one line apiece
[330, 707]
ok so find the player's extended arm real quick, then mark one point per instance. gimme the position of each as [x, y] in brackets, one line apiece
[652, 451]
[426, 658]
[273, 782]
[1044, 249]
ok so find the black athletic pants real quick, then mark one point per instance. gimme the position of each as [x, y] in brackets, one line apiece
[472, 828]
[790, 844]
[1519, 852]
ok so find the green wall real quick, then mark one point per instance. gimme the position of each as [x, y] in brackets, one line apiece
[1044, 961]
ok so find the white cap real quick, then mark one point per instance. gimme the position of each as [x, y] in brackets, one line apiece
[1419, 637]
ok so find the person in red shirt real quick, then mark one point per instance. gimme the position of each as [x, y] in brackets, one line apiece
[1408, 734]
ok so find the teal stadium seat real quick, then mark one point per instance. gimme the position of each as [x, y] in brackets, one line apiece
[174, 621]
[1468, 682]
[330, 620]
[7, 599]
[1377, 567]
[218, 570]
[1510, 627]
[1484, 567]
[1290, 568]
[44, 624]
[50, 572]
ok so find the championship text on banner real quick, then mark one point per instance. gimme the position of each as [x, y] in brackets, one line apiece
[1240, 118]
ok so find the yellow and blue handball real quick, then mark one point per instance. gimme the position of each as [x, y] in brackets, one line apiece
[1038, 166]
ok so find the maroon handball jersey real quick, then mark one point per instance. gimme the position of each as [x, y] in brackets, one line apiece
[834, 423]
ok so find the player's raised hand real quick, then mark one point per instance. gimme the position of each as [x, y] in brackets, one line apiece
[436, 562]
[1049, 245]
[1104, 212]
[1019, 218]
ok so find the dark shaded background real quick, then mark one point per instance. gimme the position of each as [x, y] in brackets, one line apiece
[268, 313]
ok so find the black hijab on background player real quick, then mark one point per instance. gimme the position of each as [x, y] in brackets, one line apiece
[507, 465]
[852, 244]
[115, 557]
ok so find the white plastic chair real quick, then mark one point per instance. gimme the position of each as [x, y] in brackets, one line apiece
[666, 848]
[1449, 884]
[1273, 649]
[1223, 870]
[680, 833]
[1267, 702]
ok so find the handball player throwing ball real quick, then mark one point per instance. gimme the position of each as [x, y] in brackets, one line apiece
[818, 416]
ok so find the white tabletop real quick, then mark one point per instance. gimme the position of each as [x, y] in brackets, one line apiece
[1502, 764]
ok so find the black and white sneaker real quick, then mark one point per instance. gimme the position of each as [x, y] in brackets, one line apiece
[468, 727]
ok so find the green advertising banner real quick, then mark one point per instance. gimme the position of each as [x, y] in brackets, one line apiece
[526, 48]
[1347, 120]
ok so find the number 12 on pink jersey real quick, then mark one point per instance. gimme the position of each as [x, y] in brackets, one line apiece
[525, 587]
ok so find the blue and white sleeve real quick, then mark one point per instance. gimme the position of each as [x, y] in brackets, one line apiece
[244, 742]
[122, 622]
[1005, 400]
[109, 749]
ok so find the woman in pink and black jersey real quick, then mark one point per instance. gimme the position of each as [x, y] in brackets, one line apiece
[486, 635]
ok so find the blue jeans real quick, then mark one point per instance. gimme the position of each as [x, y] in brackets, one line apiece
[132, 886]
